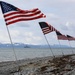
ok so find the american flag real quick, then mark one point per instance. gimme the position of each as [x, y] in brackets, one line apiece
[70, 38]
[61, 36]
[46, 28]
[13, 14]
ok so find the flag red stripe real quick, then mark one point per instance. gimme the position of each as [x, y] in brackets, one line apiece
[45, 29]
[62, 37]
[71, 38]
[26, 19]
[29, 15]
[53, 29]
[20, 12]
[13, 14]
[49, 28]
[46, 32]
[27, 11]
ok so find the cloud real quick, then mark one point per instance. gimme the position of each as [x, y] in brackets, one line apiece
[71, 26]
[25, 37]
[14, 33]
[67, 0]
[68, 28]
[63, 27]
[20, 24]
[30, 37]
[4, 36]
[23, 24]
[52, 16]
[59, 13]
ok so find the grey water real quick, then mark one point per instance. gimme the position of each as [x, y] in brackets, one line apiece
[7, 54]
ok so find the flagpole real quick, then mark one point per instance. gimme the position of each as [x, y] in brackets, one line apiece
[11, 43]
[49, 46]
[50, 49]
[60, 47]
[12, 47]
[70, 46]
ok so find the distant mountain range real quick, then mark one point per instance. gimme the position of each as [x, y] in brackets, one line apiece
[22, 45]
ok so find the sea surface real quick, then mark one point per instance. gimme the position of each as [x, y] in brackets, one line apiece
[8, 54]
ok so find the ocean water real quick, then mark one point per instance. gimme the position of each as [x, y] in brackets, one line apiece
[7, 54]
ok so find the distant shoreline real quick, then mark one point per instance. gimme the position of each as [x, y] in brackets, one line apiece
[22, 45]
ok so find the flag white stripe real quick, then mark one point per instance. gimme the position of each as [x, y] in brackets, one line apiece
[10, 12]
[12, 15]
[46, 32]
[30, 11]
[62, 37]
[46, 28]
[22, 18]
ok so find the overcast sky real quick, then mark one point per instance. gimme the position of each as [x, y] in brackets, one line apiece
[59, 13]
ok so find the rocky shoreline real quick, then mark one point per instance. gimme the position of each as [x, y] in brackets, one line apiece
[59, 65]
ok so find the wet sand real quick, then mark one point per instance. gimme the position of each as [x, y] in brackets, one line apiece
[59, 65]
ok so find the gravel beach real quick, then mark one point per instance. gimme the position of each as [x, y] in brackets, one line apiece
[59, 65]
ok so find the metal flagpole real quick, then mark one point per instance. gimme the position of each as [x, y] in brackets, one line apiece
[49, 46]
[70, 46]
[71, 49]
[60, 47]
[11, 43]
[50, 49]
[12, 47]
